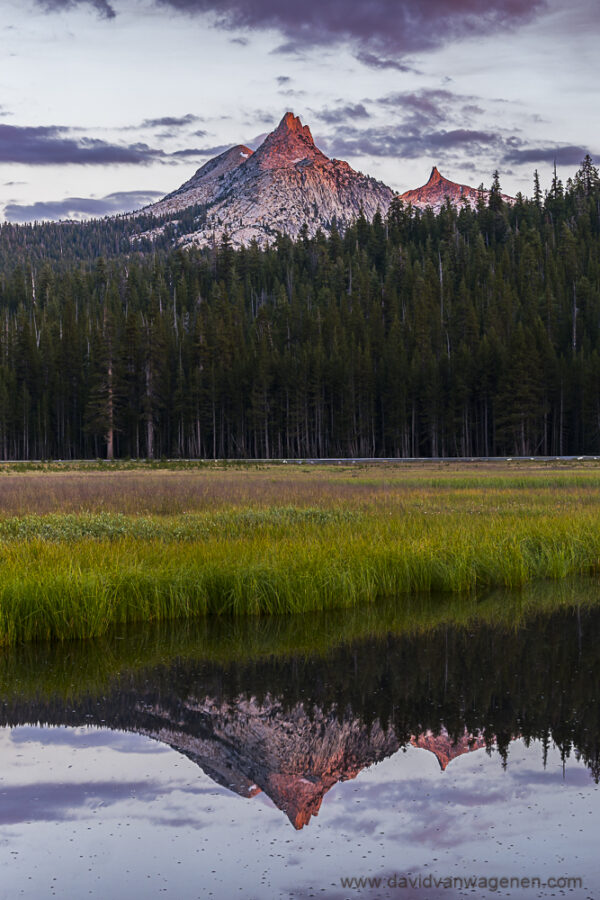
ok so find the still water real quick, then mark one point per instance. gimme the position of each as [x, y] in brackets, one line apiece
[294, 758]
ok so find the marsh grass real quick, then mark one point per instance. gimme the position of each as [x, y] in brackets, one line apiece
[89, 668]
[82, 552]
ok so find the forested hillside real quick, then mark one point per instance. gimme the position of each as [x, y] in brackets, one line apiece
[68, 242]
[473, 332]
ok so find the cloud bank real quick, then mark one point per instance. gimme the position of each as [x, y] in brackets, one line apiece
[380, 30]
[81, 207]
[49, 145]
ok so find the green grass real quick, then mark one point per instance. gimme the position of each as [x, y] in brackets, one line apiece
[213, 542]
[90, 667]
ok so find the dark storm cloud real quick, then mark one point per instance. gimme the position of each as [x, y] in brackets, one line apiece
[75, 207]
[344, 113]
[52, 145]
[283, 79]
[379, 26]
[102, 7]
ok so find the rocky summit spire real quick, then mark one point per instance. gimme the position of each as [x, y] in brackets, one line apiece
[292, 123]
[290, 143]
[435, 176]
[438, 190]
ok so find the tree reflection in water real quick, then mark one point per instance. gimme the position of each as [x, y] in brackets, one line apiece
[296, 722]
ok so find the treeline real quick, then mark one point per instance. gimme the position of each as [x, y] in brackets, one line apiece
[484, 679]
[68, 242]
[473, 332]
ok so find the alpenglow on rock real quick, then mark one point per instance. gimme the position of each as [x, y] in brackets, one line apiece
[438, 190]
[286, 183]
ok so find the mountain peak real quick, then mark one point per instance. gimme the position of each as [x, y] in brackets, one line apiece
[289, 144]
[285, 184]
[292, 123]
[439, 190]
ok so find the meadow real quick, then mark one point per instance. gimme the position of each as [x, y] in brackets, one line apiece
[86, 547]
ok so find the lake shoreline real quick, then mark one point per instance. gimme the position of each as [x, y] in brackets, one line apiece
[82, 552]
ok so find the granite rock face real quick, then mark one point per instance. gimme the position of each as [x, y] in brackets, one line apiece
[285, 184]
[438, 190]
[204, 186]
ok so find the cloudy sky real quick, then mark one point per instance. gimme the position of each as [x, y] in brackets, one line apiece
[106, 105]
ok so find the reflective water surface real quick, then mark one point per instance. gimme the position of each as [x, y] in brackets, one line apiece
[286, 759]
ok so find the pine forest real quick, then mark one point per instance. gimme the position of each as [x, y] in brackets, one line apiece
[474, 332]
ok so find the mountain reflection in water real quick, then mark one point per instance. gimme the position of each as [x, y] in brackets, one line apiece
[295, 725]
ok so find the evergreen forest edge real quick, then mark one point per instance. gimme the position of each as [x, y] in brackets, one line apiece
[467, 333]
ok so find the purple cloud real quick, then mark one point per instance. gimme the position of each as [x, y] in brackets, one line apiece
[201, 151]
[396, 141]
[344, 113]
[382, 31]
[373, 61]
[566, 155]
[77, 207]
[429, 107]
[51, 145]
[171, 121]
[102, 7]
[48, 802]
[375, 27]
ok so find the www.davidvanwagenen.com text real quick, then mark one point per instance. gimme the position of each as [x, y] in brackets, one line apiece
[454, 882]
